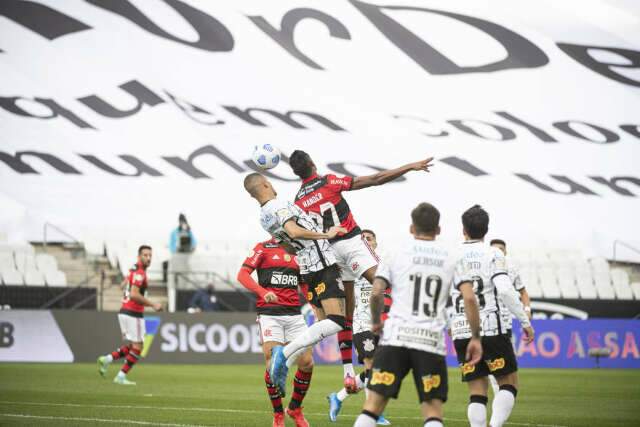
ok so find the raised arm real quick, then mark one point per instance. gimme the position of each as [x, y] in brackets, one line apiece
[296, 232]
[385, 176]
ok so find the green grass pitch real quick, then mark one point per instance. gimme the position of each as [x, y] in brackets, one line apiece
[234, 395]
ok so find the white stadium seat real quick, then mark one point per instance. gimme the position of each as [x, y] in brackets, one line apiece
[567, 282]
[529, 278]
[56, 278]
[621, 286]
[11, 276]
[46, 263]
[25, 261]
[7, 261]
[586, 287]
[599, 264]
[602, 280]
[635, 287]
[549, 282]
[34, 278]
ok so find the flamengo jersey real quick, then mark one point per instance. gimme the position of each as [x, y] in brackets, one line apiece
[137, 277]
[479, 263]
[420, 276]
[516, 281]
[313, 255]
[278, 272]
[320, 197]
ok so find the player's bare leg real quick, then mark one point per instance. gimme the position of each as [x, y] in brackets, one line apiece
[373, 407]
[301, 384]
[272, 390]
[345, 340]
[477, 409]
[432, 413]
[504, 400]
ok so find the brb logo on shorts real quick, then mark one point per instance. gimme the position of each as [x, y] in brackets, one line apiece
[320, 288]
[496, 364]
[430, 382]
[467, 369]
[384, 378]
[6, 334]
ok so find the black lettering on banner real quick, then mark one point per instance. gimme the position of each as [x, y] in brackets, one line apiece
[193, 111]
[341, 169]
[213, 36]
[420, 119]
[539, 133]
[284, 36]
[140, 167]
[140, 92]
[6, 334]
[633, 130]
[41, 19]
[10, 104]
[581, 54]
[568, 128]
[574, 187]
[521, 53]
[612, 183]
[15, 162]
[463, 165]
[506, 134]
[247, 115]
[188, 167]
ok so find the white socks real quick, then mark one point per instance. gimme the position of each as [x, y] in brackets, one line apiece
[108, 358]
[502, 405]
[477, 411]
[366, 420]
[312, 335]
[433, 422]
[348, 369]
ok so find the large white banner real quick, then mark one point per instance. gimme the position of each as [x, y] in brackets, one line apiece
[116, 116]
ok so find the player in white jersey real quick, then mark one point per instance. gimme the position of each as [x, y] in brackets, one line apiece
[516, 280]
[485, 268]
[364, 340]
[420, 276]
[290, 226]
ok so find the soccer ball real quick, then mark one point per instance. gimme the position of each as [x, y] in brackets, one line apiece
[266, 156]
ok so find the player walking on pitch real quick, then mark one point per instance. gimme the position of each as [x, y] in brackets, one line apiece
[484, 267]
[321, 197]
[289, 225]
[131, 319]
[279, 318]
[420, 276]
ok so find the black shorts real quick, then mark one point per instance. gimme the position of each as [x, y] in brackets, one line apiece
[366, 343]
[391, 364]
[498, 358]
[324, 284]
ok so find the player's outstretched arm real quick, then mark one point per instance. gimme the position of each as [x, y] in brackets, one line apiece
[136, 296]
[376, 304]
[511, 299]
[385, 176]
[296, 232]
[471, 311]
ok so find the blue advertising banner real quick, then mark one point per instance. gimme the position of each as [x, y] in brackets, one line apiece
[558, 344]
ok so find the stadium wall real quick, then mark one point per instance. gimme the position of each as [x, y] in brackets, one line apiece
[80, 336]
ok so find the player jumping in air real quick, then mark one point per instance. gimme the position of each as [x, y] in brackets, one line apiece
[420, 275]
[278, 307]
[364, 340]
[484, 267]
[131, 318]
[321, 197]
[289, 225]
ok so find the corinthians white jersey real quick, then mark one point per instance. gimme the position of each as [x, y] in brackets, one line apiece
[479, 263]
[516, 281]
[420, 275]
[362, 312]
[313, 255]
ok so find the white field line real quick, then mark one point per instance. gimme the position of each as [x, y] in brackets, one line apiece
[221, 410]
[97, 420]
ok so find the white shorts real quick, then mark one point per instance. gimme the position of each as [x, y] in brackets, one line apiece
[282, 329]
[132, 328]
[354, 256]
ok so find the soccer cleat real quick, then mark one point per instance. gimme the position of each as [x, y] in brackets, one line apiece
[278, 419]
[382, 421]
[278, 369]
[102, 366]
[298, 417]
[350, 384]
[334, 407]
[122, 380]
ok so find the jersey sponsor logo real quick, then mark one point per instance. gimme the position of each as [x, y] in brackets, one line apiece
[368, 345]
[312, 200]
[278, 278]
[320, 288]
[495, 364]
[430, 382]
[337, 181]
[467, 368]
[382, 377]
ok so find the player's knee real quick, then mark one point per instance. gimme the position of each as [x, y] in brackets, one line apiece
[338, 319]
[510, 388]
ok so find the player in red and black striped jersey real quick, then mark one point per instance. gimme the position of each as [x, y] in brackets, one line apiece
[131, 319]
[321, 197]
[278, 306]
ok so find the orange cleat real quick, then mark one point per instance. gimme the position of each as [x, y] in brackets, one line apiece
[350, 384]
[278, 419]
[298, 417]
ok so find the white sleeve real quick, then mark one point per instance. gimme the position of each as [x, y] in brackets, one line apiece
[461, 274]
[384, 272]
[284, 212]
[510, 297]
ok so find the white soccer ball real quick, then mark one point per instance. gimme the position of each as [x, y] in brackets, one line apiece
[266, 156]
